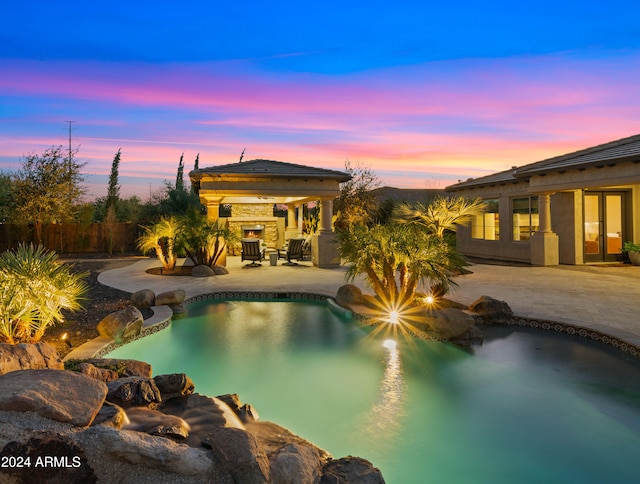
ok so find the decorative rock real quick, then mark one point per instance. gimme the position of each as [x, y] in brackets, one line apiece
[240, 455]
[60, 395]
[121, 325]
[202, 271]
[246, 412]
[111, 415]
[349, 294]
[29, 357]
[170, 297]
[143, 299]
[153, 422]
[174, 385]
[492, 310]
[178, 308]
[295, 464]
[471, 337]
[351, 470]
[134, 392]
[98, 373]
[274, 437]
[450, 322]
[124, 367]
[220, 270]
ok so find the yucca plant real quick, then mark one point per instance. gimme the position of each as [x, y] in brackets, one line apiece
[161, 238]
[203, 241]
[34, 289]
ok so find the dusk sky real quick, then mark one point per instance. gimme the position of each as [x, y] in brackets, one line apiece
[424, 93]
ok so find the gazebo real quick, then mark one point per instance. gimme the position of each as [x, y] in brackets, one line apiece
[253, 187]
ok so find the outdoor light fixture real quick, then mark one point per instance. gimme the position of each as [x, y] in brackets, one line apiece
[393, 317]
[64, 338]
[429, 299]
[390, 344]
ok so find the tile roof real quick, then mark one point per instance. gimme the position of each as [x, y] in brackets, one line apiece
[269, 168]
[625, 149]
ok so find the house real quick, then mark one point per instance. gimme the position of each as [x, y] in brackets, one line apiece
[576, 208]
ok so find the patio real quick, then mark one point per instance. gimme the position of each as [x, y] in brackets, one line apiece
[605, 299]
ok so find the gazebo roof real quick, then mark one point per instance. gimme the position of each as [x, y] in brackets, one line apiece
[271, 169]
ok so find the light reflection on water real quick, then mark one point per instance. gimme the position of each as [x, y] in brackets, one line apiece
[525, 407]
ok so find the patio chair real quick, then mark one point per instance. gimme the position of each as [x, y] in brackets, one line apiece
[252, 251]
[293, 251]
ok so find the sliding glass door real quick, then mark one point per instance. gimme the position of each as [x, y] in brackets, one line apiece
[604, 225]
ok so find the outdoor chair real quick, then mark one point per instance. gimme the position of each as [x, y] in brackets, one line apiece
[292, 251]
[252, 251]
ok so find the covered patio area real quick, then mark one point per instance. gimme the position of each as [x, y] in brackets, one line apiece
[251, 189]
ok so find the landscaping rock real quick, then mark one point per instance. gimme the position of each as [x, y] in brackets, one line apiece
[295, 464]
[492, 309]
[60, 395]
[174, 385]
[449, 322]
[96, 373]
[29, 357]
[124, 367]
[245, 412]
[111, 415]
[143, 299]
[153, 422]
[178, 308]
[202, 271]
[121, 325]
[351, 470]
[170, 297]
[349, 294]
[134, 392]
[220, 270]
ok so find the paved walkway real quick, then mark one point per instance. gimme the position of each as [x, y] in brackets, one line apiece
[606, 299]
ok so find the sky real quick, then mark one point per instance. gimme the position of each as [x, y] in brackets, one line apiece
[423, 93]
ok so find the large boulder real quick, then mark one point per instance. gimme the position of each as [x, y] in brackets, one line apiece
[170, 298]
[156, 423]
[124, 367]
[134, 392]
[174, 385]
[121, 325]
[349, 294]
[351, 470]
[202, 271]
[60, 395]
[492, 309]
[245, 411]
[29, 357]
[97, 373]
[111, 415]
[449, 323]
[295, 464]
[143, 299]
[220, 270]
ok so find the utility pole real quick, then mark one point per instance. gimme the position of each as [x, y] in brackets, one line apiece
[69, 160]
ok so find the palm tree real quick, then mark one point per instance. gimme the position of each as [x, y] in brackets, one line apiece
[441, 214]
[161, 238]
[34, 289]
[395, 258]
[203, 241]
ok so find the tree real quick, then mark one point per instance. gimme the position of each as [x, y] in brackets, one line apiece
[356, 202]
[161, 238]
[203, 241]
[180, 175]
[113, 192]
[6, 184]
[46, 189]
[395, 258]
[441, 214]
[35, 290]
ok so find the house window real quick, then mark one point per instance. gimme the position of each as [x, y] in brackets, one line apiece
[487, 225]
[525, 217]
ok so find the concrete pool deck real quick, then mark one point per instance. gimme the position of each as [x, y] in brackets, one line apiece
[601, 298]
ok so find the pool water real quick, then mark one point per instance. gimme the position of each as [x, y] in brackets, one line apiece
[526, 406]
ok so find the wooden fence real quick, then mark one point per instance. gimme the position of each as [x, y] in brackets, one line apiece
[73, 238]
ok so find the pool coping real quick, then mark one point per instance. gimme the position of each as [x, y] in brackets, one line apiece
[163, 317]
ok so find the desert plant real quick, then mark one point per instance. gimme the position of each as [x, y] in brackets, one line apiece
[161, 238]
[202, 240]
[34, 289]
[395, 258]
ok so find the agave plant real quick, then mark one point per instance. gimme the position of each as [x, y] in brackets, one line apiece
[161, 238]
[34, 289]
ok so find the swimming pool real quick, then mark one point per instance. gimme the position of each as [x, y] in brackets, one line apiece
[527, 406]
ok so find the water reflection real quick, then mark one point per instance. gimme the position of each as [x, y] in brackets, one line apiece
[385, 417]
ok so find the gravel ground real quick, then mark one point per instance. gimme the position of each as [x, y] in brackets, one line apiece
[100, 301]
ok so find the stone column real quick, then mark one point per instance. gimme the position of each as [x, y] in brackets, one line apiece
[300, 217]
[213, 210]
[325, 251]
[292, 224]
[544, 243]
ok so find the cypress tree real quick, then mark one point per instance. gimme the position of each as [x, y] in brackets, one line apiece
[113, 192]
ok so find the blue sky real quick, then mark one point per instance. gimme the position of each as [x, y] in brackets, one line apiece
[425, 94]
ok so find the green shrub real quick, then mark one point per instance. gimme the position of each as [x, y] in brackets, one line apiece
[34, 289]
